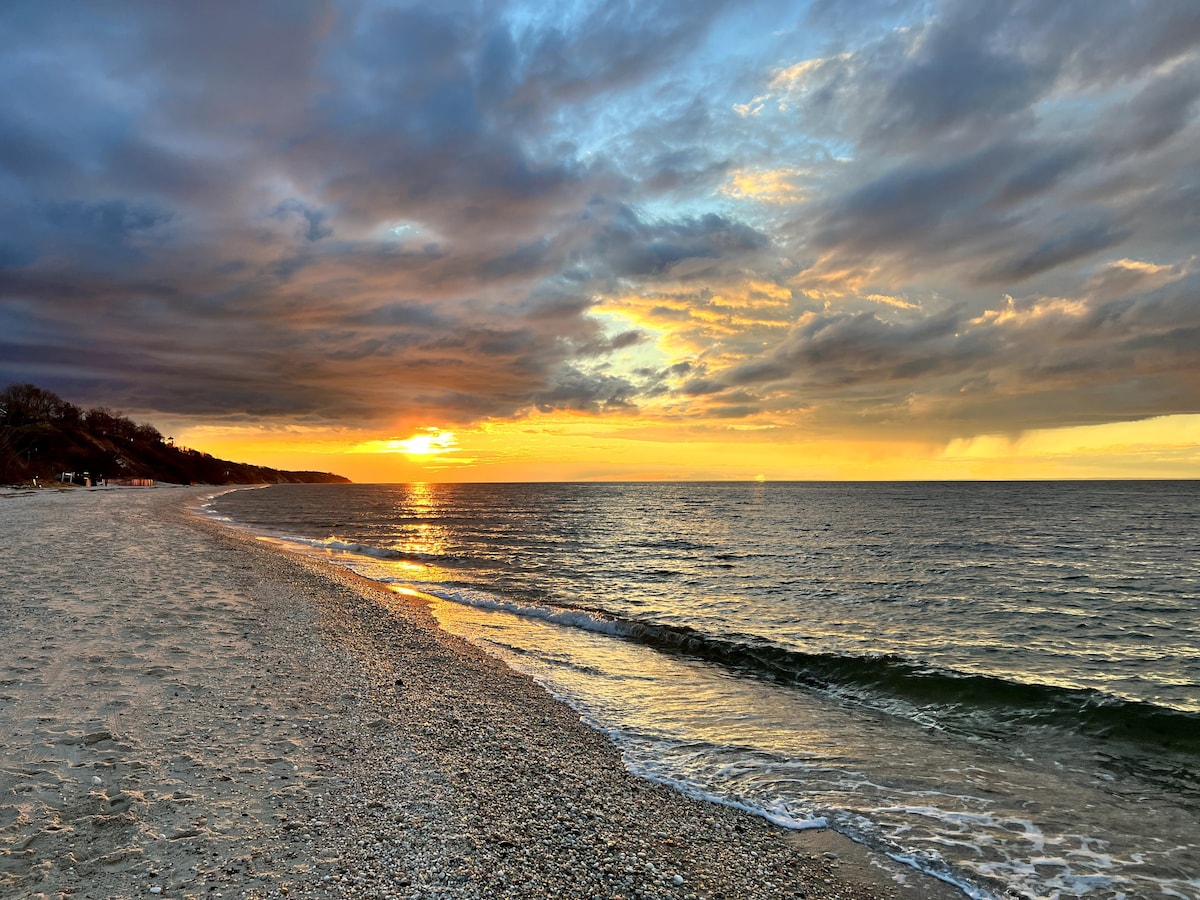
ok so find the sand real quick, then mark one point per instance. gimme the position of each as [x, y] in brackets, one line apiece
[186, 712]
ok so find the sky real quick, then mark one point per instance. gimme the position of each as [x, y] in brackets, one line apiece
[492, 241]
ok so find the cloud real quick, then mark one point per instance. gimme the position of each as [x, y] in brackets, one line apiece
[1053, 252]
[217, 237]
[984, 141]
[626, 246]
[1009, 368]
[360, 212]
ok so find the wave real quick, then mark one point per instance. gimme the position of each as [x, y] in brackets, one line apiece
[951, 700]
[357, 548]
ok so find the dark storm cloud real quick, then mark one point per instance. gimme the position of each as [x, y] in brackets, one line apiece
[845, 349]
[587, 392]
[1053, 252]
[323, 210]
[626, 246]
[314, 221]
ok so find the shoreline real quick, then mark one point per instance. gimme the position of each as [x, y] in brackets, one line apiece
[240, 721]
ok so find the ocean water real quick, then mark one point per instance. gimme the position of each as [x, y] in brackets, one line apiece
[997, 683]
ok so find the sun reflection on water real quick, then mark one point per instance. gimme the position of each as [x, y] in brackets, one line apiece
[417, 511]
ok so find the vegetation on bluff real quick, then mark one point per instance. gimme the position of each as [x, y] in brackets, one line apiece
[43, 436]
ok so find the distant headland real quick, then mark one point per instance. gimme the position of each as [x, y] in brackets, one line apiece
[44, 438]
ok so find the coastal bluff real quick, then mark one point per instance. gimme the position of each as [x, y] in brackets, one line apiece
[43, 438]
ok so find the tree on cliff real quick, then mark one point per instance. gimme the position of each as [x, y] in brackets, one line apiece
[43, 435]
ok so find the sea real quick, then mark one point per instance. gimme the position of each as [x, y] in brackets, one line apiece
[996, 683]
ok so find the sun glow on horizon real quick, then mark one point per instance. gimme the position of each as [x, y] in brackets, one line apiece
[427, 442]
[580, 447]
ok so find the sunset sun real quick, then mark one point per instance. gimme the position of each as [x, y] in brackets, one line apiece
[429, 442]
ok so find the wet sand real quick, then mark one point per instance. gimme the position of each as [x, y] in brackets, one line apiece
[185, 712]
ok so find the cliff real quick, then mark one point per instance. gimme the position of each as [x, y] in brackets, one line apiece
[43, 436]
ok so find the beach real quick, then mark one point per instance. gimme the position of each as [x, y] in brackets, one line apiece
[185, 712]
